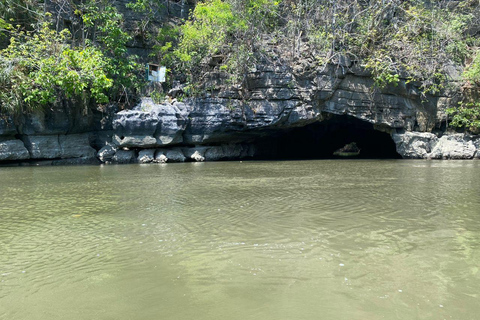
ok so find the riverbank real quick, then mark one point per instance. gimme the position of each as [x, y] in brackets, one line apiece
[185, 131]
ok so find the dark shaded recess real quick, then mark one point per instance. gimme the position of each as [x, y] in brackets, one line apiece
[321, 139]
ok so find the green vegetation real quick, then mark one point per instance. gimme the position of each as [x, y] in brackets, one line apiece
[467, 114]
[41, 65]
[413, 40]
[228, 31]
[39, 68]
[396, 40]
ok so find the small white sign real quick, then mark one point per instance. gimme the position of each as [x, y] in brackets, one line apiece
[161, 75]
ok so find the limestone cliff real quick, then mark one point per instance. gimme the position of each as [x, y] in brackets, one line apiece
[285, 108]
[232, 123]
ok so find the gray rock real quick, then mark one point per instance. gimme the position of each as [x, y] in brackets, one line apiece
[442, 105]
[59, 146]
[161, 158]
[214, 153]
[124, 156]
[7, 127]
[176, 90]
[223, 122]
[76, 146]
[43, 147]
[476, 143]
[278, 99]
[13, 150]
[136, 141]
[106, 153]
[146, 156]
[455, 146]
[414, 145]
[196, 153]
[453, 72]
[175, 155]
[197, 156]
[159, 153]
[232, 151]
[100, 139]
[63, 117]
[150, 125]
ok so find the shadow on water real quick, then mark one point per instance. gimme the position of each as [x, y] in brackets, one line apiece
[322, 139]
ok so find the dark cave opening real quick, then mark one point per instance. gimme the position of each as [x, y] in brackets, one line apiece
[320, 140]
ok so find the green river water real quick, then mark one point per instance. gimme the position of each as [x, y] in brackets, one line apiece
[331, 239]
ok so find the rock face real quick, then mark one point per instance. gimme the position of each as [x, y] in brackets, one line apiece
[106, 153]
[59, 146]
[150, 125]
[423, 145]
[124, 156]
[227, 122]
[415, 145]
[64, 135]
[13, 150]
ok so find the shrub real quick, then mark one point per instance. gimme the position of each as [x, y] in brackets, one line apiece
[38, 68]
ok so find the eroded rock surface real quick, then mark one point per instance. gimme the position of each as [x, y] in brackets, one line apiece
[150, 125]
[13, 150]
[455, 146]
[423, 145]
[226, 121]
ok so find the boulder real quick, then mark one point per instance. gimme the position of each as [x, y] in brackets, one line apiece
[146, 156]
[76, 146]
[196, 153]
[414, 145]
[43, 146]
[106, 153]
[175, 155]
[161, 158]
[13, 150]
[124, 156]
[454, 146]
[150, 125]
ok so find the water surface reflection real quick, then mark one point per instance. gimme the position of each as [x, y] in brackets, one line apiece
[252, 240]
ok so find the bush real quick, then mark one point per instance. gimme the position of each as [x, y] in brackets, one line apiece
[39, 68]
[472, 72]
[467, 116]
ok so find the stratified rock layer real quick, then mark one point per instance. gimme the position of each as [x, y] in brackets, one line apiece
[227, 121]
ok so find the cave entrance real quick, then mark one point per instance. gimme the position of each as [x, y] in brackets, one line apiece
[330, 139]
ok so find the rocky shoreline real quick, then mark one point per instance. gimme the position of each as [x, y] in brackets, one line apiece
[228, 122]
[163, 133]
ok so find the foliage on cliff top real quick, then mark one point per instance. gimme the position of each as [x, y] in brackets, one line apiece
[412, 39]
[44, 65]
[415, 40]
[467, 113]
[39, 68]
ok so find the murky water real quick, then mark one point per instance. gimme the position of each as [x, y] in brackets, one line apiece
[251, 240]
